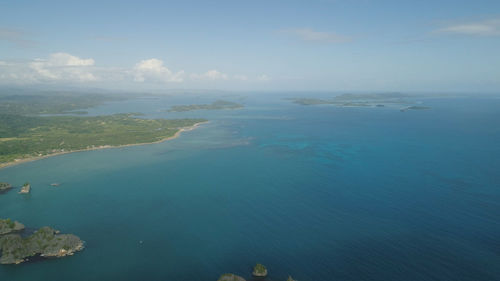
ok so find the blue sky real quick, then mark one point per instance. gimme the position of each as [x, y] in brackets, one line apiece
[323, 45]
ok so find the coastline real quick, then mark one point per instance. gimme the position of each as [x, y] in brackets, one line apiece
[30, 159]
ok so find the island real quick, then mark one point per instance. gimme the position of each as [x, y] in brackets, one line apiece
[415, 107]
[4, 187]
[26, 188]
[259, 273]
[259, 270]
[46, 242]
[216, 105]
[230, 277]
[359, 100]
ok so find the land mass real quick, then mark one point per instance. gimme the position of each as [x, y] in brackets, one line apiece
[56, 102]
[359, 100]
[216, 105]
[32, 137]
[45, 242]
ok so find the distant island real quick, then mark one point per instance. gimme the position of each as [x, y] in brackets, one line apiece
[216, 105]
[358, 100]
[415, 107]
[46, 242]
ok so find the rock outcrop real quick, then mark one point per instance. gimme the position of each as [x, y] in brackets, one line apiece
[45, 242]
[25, 188]
[259, 270]
[230, 277]
[4, 187]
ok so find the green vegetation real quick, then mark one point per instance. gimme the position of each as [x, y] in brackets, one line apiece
[8, 226]
[259, 270]
[26, 136]
[15, 248]
[216, 105]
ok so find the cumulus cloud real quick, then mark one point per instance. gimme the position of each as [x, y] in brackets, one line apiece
[153, 70]
[63, 66]
[307, 34]
[480, 28]
[210, 75]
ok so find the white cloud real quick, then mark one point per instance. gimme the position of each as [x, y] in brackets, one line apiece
[63, 66]
[240, 77]
[153, 70]
[481, 28]
[307, 34]
[210, 75]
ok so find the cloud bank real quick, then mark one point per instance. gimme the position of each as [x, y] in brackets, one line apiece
[480, 28]
[67, 68]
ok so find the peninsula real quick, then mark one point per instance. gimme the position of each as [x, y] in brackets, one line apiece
[26, 138]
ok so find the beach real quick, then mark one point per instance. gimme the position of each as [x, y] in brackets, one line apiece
[30, 159]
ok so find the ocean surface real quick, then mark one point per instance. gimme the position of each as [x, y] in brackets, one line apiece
[317, 192]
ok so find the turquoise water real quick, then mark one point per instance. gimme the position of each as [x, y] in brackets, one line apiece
[318, 192]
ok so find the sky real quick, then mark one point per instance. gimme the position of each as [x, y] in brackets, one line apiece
[315, 45]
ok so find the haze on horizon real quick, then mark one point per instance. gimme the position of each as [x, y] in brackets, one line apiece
[253, 45]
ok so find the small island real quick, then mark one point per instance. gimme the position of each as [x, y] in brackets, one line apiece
[26, 188]
[45, 242]
[259, 273]
[216, 105]
[4, 187]
[259, 270]
[230, 277]
[415, 107]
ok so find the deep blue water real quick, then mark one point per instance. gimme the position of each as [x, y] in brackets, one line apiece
[318, 192]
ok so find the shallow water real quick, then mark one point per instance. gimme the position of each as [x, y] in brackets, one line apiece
[318, 192]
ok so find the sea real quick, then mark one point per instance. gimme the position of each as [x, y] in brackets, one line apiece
[318, 193]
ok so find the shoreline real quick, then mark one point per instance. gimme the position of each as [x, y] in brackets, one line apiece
[31, 159]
